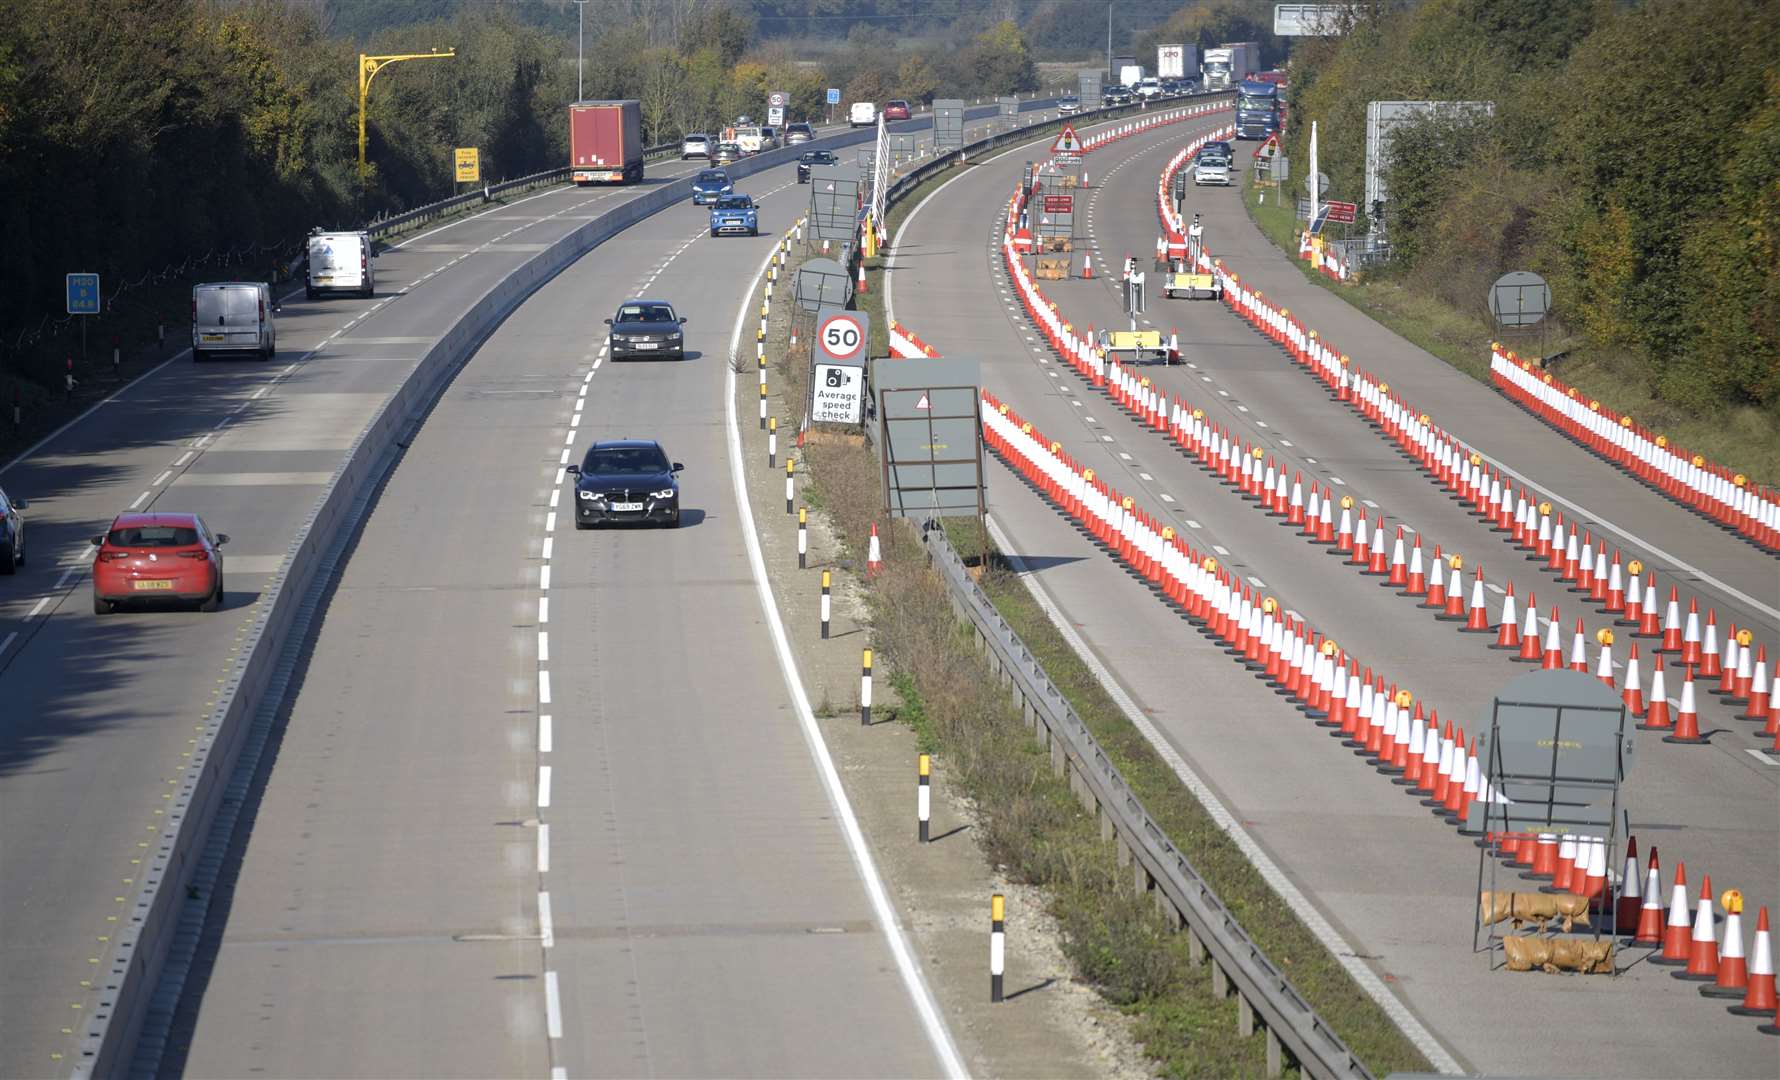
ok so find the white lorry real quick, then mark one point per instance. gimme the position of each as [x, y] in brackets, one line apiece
[339, 262]
[1177, 61]
[1230, 63]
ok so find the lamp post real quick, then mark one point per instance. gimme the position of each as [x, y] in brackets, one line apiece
[580, 35]
[368, 67]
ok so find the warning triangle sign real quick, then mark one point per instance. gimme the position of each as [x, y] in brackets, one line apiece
[1067, 142]
[923, 403]
[1269, 148]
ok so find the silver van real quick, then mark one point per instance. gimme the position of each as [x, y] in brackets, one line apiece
[233, 316]
[339, 262]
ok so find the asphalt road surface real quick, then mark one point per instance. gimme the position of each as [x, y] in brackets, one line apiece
[1399, 887]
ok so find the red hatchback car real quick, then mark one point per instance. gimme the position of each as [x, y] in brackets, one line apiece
[158, 557]
[896, 110]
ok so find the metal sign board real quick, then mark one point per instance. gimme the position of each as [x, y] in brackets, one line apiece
[83, 294]
[901, 146]
[1310, 20]
[1059, 204]
[1009, 106]
[841, 336]
[930, 432]
[1322, 185]
[948, 124]
[837, 393]
[1520, 298]
[777, 99]
[823, 283]
[1280, 169]
[1134, 299]
[834, 201]
[1341, 211]
[833, 96]
[1556, 747]
[1382, 117]
[1088, 87]
[775, 115]
[469, 165]
[1067, 141]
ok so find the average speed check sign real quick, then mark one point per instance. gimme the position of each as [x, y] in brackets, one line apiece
[841, 336]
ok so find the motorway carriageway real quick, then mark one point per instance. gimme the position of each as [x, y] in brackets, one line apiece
[1395, 885]
[101, 713]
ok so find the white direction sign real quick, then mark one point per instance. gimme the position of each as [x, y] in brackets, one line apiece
[1067, 141]
[838, 395]
[841, 336]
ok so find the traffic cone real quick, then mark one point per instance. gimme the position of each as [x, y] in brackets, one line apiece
[1702, 945]
[1597, 588]
[1436, 597]
[1633, 695]
[874, 558]
[1687, 720]
[1690, 634]
[1455, 595]
[1529, 634]
[1508, 630]
[1545, 857]
[1631, 891]
[1088, 266]
[1733, 655]
[1566, 866]
[1733, 969]
[1590, 878]
[1650, 914]
[1604, 665]
[1399, 576]
[1634, 603]
[861, 288]
[1678, 928]
[1578, 650]
[1760, 689]
[1711, 664]
[1656, 715]
[1672, 623]
[1615, 604]
[1554, 649]
[1477, 618]
[1452, 808]
[1378, 565]
[1415, 757]
[1759, 999]
[1650, 623]
[1417, 584]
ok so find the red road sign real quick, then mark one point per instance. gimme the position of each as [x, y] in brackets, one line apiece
[842, 336]
[1059, 204]
[1341, 211]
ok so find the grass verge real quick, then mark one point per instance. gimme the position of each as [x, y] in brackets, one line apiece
[1031, 823]
[1741, 436]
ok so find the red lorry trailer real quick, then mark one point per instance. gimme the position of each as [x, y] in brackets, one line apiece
[606, 142]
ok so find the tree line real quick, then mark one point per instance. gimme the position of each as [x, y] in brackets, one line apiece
[142, 135]
[1632, 157]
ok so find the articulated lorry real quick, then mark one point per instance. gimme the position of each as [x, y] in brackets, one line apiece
[1177, 61]
[1257, 109]
[1230, 63]
[606, 142]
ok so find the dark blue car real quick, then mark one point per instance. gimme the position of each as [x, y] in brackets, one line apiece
[735, 215]
[626, 481]
[710, 185]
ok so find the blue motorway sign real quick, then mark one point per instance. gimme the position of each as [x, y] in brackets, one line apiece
[83, 294]
[834, 95]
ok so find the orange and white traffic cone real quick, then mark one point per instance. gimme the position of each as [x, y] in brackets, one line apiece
[1649, 930]
[1566, 865]
[1631, 891]
[1690, 634]
[1650, 623]
[1656, 715]
[1634, 600]
[1604, 664]
[1711, 664]
[861, 288]
[1477, 616]
[1553, 659]
[874, 557]
[1633, 695]
[1088, 266]
[1733, 968]
[1530, 652]
[1760, 690]
[1508, 630]
[1733, 655]
[1378, 565]
[1545, 857]
[1436, 595]
[1399, 576]
[1615, 603]
[1455, 595]
[1578, 650]
[1672, 623]
[1702, 944]
[1590, 879]
[1687, 718]
[1678, 928]
[1417, 583]
[1759, 999]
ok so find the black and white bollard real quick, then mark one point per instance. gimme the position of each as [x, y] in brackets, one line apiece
[826, 602]
[865, 691]
[763, 399]
[772, 443]
[803, 538]
[923, 797]
[997, 944]
[789, 490]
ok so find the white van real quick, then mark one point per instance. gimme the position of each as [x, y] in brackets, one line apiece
[233, 316]
[752, 140]
[340, 262]
[862, 114]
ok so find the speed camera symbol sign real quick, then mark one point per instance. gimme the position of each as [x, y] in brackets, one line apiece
[841, 336]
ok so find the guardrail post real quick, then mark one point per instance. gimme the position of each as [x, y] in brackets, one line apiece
[1274, 1066]
[1195, 947]
[1245, 1017]
[1220, 982]
[1169, 911]
[1141, 881]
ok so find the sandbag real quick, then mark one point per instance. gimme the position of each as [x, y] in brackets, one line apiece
[1552, 955]
[1537, 908]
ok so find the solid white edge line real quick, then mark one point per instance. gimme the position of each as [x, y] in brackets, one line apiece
[926, 1007]
[1332, 940]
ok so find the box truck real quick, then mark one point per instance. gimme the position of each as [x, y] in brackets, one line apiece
[1228, 64]
[1177, 61]
[606, 142]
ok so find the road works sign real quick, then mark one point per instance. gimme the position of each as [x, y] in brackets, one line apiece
[469, 165]
[841, 336]
[1059, 204]
[1341, 211]
[1067, 141]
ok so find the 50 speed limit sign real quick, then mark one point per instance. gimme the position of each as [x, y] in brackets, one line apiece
[841, 336]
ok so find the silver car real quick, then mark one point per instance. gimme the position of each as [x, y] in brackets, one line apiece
[695, 146]
[798, 133]
[1211, 171]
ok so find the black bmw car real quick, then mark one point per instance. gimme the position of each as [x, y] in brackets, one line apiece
[626, 480]
[647, 328]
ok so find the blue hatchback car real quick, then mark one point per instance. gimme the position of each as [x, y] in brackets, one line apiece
[710, 185]
[735, 215]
